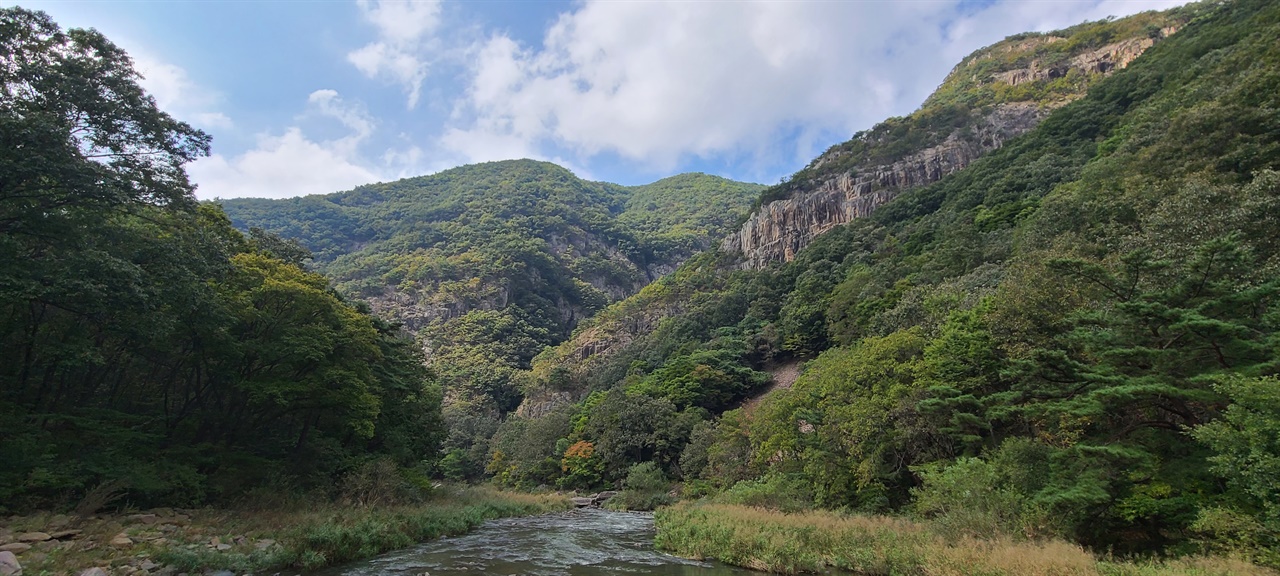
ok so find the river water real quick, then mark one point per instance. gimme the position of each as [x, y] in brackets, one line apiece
[578, 543]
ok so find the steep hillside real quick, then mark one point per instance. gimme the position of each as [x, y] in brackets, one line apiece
[1080, 322]
[490, 263]
[991, 97]
[486, 236]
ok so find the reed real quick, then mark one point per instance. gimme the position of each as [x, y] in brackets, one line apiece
[820, 541]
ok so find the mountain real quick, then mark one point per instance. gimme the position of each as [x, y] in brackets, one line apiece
[991, 97]
[994, 95]
[488, 236]
[490, 263]
[1056, 283]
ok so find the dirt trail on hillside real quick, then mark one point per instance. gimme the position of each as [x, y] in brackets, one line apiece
[782, 376]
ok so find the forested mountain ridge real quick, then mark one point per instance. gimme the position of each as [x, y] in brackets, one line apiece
[992, 96]
[490, 263]
[485, 237]
[1080, 324]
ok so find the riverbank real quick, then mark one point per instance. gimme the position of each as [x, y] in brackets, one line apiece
[166, 542]
[822, 541]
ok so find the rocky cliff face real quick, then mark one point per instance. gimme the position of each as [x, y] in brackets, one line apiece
[780, 229]
[1101, 61]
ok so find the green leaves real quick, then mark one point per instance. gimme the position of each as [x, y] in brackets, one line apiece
[1246, 442]
[145, 341]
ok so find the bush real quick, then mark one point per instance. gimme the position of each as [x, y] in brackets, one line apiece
[379, 483]
[783, 492]
[972, 497]
[644, 488]
[645, 477]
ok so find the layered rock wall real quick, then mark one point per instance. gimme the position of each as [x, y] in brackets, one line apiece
[777, 231]
[780, 229]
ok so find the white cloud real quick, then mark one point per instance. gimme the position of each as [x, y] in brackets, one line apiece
[405, 29]
[281, 166]
[656, 82]
[292, 163]
[177, 94]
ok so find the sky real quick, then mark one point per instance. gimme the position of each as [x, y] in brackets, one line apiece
[311, 97]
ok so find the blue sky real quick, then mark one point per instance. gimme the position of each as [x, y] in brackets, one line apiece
[308, 97]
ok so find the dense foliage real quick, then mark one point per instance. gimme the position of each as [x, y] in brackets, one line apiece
[149, 348]
[1081, 324]
[491, 263]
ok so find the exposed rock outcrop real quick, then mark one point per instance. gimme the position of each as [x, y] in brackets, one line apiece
[1100, 61]
[780, 229]
[777, 231]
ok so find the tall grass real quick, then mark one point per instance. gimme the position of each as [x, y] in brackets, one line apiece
[882, 546]
[335, 534]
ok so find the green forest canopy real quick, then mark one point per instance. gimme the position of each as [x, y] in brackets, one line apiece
[149, 347]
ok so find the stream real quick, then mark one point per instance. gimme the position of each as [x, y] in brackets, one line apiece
[581, 542]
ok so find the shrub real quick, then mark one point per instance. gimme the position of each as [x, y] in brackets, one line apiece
[645, 488]
[783, 492]
[968, 498]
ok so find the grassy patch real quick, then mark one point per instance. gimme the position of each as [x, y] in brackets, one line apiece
[819, 541]
[252, 541]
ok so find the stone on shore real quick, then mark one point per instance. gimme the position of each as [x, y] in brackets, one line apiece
[9, 565]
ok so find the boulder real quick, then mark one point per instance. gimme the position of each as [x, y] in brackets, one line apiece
[121, 541]
[143, 518]
[33, 537]
[607, 494]
[582, 502]
[264, 544]
[16, 547]
[9, 565]
[95, 571]
[64, 534]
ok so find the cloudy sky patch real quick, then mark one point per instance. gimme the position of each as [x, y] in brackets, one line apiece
[309, 98]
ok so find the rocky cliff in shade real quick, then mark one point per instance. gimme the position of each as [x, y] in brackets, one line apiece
[1022, 80]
